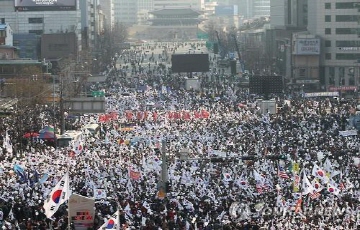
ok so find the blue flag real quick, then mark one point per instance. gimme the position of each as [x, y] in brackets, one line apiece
[20, 172]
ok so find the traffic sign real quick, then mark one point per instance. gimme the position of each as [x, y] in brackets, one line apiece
[98, 94]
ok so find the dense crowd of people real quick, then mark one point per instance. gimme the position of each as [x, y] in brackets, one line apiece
[230, 165]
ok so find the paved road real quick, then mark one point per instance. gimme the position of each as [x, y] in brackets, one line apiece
[156, 48]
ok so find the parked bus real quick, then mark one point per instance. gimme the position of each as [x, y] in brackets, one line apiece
[65, 139]
[94, 129]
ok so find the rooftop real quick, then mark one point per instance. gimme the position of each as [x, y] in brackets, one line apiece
[3, 26]
[180, 11]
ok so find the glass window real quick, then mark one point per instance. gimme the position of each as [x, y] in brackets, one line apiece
[347, 18]
[352, 56]
[347, 30]
[327, 18]
[36, 20]
[327, 30]
[347, 43]
[345, 5]
[327, 43]
[327, 6]
[328, 56]
[302, 72]
[37, 32]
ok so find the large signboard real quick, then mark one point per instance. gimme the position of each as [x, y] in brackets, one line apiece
[307, 46]
[81, 212]
[188, 63]
[231, 10]
[45, 5]
[322, 94]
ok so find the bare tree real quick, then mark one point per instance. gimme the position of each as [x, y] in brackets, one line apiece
[30, 88]
[110, 41]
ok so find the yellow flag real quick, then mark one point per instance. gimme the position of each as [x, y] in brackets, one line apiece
[295, 168]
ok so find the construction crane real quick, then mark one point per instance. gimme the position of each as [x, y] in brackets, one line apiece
[238, 52]
[222, 62]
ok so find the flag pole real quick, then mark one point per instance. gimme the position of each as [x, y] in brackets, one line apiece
[68, 181]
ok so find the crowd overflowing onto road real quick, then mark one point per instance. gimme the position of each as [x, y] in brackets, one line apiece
[230, 165]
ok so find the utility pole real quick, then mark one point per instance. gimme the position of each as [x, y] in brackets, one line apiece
[163, 183]
[62, 119]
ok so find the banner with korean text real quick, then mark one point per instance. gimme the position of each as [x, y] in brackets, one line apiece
[81, 212]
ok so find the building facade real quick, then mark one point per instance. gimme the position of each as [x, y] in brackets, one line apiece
[91, 19]
[126, 12]
[337, 23]
[29, 46]
[261, 8]
[250, 9]
[306, 60]
[6, 35]
[286, 13]
[107, 7]
[42, 19]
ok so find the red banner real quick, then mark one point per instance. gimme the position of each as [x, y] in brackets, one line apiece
[108, 117]
[171, 115]
[134, 175]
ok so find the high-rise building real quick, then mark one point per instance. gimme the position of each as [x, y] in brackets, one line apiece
[144, 7]
[253, 9]
[26, 17]
[89, 22]
[107, 7]
[261, 8]
[126, 12]
[285, 13]
[337, 23]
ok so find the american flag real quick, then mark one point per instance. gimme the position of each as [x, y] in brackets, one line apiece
[314, 195]
[282, 173]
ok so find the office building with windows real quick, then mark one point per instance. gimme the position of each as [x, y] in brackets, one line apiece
[126, 12]
[250, 9]
[337, 23]
[286, 13]
[39, 20]
[107, 7]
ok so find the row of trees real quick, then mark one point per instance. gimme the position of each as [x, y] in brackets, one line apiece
[32, 87]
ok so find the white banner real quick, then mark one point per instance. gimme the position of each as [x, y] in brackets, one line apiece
[347, 133]
[81, 212]
[307, 46]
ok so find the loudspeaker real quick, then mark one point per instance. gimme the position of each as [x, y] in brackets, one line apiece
[216, 48]
[233, 67]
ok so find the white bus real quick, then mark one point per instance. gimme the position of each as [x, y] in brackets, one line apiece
[65, 139]
[94, 129]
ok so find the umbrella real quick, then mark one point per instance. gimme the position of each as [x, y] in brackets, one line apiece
[47, 129]
[47, 133]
